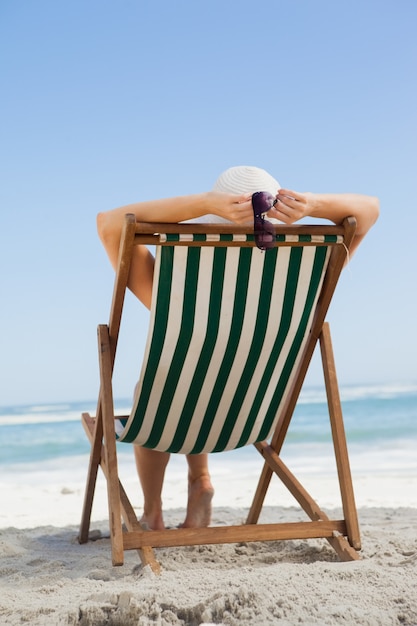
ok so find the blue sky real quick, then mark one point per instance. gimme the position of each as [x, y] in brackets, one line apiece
[107, 102]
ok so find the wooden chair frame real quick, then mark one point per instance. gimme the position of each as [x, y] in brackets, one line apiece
[343, 534]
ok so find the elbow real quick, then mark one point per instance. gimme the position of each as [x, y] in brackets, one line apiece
[109, 231]
[368, 215]
[101, 225]
[374, 210]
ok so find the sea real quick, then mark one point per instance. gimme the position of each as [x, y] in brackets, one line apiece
[45, 444]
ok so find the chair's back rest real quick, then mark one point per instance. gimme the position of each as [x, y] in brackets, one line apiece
[227, 332]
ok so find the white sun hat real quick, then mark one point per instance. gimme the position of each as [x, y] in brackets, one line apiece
[241, 179]
[246, 179]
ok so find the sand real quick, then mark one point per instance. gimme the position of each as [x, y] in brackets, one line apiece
[46, 577]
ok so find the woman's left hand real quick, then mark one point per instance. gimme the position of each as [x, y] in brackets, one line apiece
[292, 206]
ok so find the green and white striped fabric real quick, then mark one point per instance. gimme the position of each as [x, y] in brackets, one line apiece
[227, 329]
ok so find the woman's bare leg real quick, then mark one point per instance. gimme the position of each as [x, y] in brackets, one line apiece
[151, 466]
[200, 492]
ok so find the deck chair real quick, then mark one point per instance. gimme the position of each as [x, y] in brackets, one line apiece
[232, 333]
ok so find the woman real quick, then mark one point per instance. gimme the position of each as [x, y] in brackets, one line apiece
[229, 200]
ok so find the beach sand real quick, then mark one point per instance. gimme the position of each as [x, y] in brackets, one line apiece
[46, 577]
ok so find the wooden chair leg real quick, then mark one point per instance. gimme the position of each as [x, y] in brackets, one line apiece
[113, 492]
[260, 493]
[343, 548]
[339, 438]
[106, 456]
[95, 459]
[146, 553]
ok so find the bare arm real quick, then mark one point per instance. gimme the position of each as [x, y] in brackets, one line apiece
[237, 208]
[292, 206]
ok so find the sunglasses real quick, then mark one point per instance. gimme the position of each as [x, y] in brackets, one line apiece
[264, 231]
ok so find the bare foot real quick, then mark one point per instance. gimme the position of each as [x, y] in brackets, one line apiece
[152, 521]
[200, 494]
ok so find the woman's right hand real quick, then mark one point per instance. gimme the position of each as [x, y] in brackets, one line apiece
[233, 207]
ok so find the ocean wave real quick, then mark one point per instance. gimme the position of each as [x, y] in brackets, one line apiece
[42, 408]
[50, 414]
[28, 418]
[317, 395]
